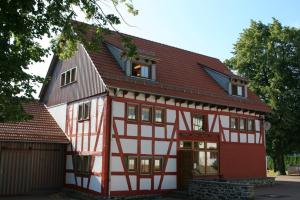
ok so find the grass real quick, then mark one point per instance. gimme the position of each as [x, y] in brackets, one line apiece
[271, 173]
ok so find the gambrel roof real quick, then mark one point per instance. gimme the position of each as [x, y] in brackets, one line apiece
[179, 73]
[41, 128]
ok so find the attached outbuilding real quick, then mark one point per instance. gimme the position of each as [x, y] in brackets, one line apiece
[32, 153]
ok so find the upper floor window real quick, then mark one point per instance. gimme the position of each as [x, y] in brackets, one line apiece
[251, 125]
[146, 114]
[198, 122]
[159, 115]
[68, 77]
[243, 123]
[234, 123]
[132, 112]
[141, 70]
[84, 111]
[238, 90]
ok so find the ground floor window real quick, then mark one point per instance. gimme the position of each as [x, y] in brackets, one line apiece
[82, 164]
[204, 156]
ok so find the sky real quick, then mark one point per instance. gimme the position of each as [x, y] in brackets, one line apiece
[208, 27]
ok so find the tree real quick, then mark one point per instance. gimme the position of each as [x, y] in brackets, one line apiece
[269, 56]
[23, 23]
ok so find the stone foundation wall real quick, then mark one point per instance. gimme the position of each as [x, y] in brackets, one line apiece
[264, 181]
[214, 190]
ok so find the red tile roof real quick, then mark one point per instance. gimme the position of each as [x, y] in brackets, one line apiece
[41, 128]
[178, 74]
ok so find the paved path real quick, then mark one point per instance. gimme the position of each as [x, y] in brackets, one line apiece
[286, 188]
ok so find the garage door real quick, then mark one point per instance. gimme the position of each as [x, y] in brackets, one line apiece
[30, 168]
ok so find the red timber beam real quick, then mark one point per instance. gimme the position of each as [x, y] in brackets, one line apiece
[106, 145]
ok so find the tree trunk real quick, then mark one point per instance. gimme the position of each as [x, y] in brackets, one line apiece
[274, 164]
[281, 164]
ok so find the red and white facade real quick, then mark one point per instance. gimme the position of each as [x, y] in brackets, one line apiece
[109, 137]
[105, 139]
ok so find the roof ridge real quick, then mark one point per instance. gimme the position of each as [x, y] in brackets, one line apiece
[160, 43]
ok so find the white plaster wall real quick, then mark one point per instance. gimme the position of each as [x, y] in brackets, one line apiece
[243, 137]
[70, 178]
[161, 147]
[225, 121]
[120, 126]
[251, 138]
[97, 164]
[129, 145]
[146, 131]
[188, 119]
[59, 113]
[132, 182]
[226, 135]
[118, 109]
[95, 183]
[234, 137]
[159, 132]
[132, 130]
[146, 146]
[169, 130]
[156, 181]
[173, 148]
[181, 123]
[69, 162]
[169, 182]
[257, 125]
[171, 116]
[118, 183]
[171, 165]
[116, 164]
[145, 184]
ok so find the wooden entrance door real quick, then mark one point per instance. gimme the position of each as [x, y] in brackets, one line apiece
[185, 167]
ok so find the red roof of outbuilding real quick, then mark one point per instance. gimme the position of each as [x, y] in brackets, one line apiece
[178, 74]
[41, 128]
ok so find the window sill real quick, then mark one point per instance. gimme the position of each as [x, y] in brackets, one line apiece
[62, 86]
[83, 120]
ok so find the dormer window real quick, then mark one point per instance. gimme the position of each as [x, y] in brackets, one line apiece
[238, 87]
[238, 90]
[141, 70]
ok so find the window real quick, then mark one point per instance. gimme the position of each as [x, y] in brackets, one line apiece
[198, 122]
[199, 145]
[159, 115]
[186, 144]
[82, 165]
[132, 164]
[68, 77]
[243, 124]
[146, 114]
[251, 125]
[205, 159]
[158, 162]
[145, 166]
[140, 70]
[238, 90]
[234, 123]
[84, 111]
[132, 112]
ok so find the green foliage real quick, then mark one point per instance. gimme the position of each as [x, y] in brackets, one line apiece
[269, 56]
[289, 160]
[24, 22]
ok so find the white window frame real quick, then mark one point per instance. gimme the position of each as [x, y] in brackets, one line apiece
[65, 77]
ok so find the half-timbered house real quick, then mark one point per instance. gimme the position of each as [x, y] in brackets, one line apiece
[151, 123]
